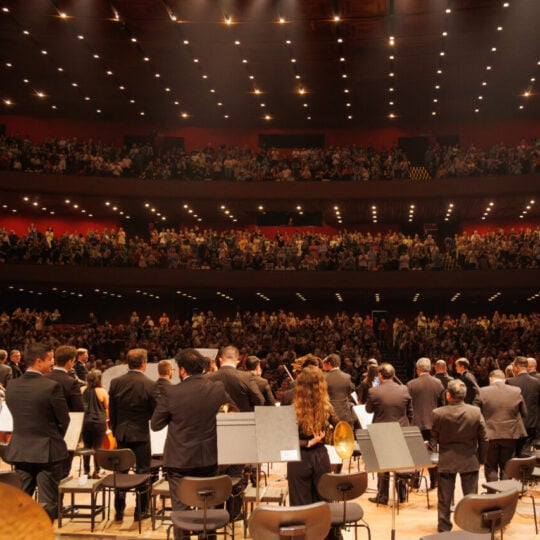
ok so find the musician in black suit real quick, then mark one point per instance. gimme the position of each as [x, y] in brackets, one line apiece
[189, 410]
[40, 421]
[441, 373]
[131, 404]
[340, 388]
[64, 358]
[463, 373]
[79, 367]
[459, 431]
[240, 385]
[530, 389]
[389, 402]
[253, 365]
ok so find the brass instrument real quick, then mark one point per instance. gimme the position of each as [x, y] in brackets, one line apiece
[344, 440]
[228, 407]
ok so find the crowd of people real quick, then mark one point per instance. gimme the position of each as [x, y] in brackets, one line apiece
[241, 249]
[356, 163]
[278, 338]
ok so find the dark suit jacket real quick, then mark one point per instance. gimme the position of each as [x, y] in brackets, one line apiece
[40, 420]
[240, 385]
[472, 386]
[159, 388]
[460, 431]
[80, 370]
[16, 370]
[503, 409]
[340, 387]
[71, 388]
[444, 378]
[264, 388]
[390, 402]
[427, 394]
[189, 410]
[131, 404]
[530, 389]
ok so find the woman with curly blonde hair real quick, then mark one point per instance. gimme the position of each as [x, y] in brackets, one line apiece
[315, 415]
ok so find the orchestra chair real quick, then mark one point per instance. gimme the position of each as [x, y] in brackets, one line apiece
[412, 480]
[308, 522]
[11, 478]
[160, 491]
[482, 515]
[81, 453]
[119, 461]
[520, 472]
[337, 490]
[202, 495]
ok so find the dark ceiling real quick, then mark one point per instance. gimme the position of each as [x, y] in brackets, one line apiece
[156, 60]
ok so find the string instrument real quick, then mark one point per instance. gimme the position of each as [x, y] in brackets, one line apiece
[109, 442]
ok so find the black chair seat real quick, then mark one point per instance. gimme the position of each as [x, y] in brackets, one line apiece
[193, 520]
[498, 486]
[125, 481]
[354, 513]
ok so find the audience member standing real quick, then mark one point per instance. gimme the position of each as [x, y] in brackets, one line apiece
[463, 373]
[531, 367]
[40, 421]
[503, 408]
[64, 358]
[427, 394]
[239, 384]
[459, 432]
[253, 365]
[14, 363]
[340, 388]
[189, 410]
[132, 402]
[389, 402]
[530, 389]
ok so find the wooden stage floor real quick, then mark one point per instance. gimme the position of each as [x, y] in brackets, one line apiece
[413, 521]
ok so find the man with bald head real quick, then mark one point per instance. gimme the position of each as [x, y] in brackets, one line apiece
[531, 367]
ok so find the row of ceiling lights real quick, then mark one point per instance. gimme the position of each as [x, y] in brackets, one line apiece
[225, 296]
[441, 60]
[154, 211]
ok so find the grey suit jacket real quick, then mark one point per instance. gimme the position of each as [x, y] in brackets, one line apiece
[71, 388]
[503, 409]
[427, 394]
[40, 420]
[189, 410]
[460, 431]
[240, 385]
[340, 388]
[131, 404]
[5, 374]
[390, 402]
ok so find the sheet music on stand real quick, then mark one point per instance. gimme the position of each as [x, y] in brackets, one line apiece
[73, 433]
[267, 435]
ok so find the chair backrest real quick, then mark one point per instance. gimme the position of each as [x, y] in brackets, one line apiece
[342, 487]
[474, 513]
[520, 468]
[203, 492]
[11, 478]
[310, 522]
[118, 460]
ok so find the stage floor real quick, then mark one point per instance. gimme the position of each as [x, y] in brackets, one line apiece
[413, 521]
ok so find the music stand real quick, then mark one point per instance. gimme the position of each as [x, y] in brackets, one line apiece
[387, 447]
[267, 435]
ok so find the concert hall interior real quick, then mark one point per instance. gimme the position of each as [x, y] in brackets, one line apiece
[290, 177]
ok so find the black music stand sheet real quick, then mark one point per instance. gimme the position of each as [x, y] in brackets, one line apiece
[270, 434]
[386, 446]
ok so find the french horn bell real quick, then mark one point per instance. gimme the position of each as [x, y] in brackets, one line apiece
[344, 440]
